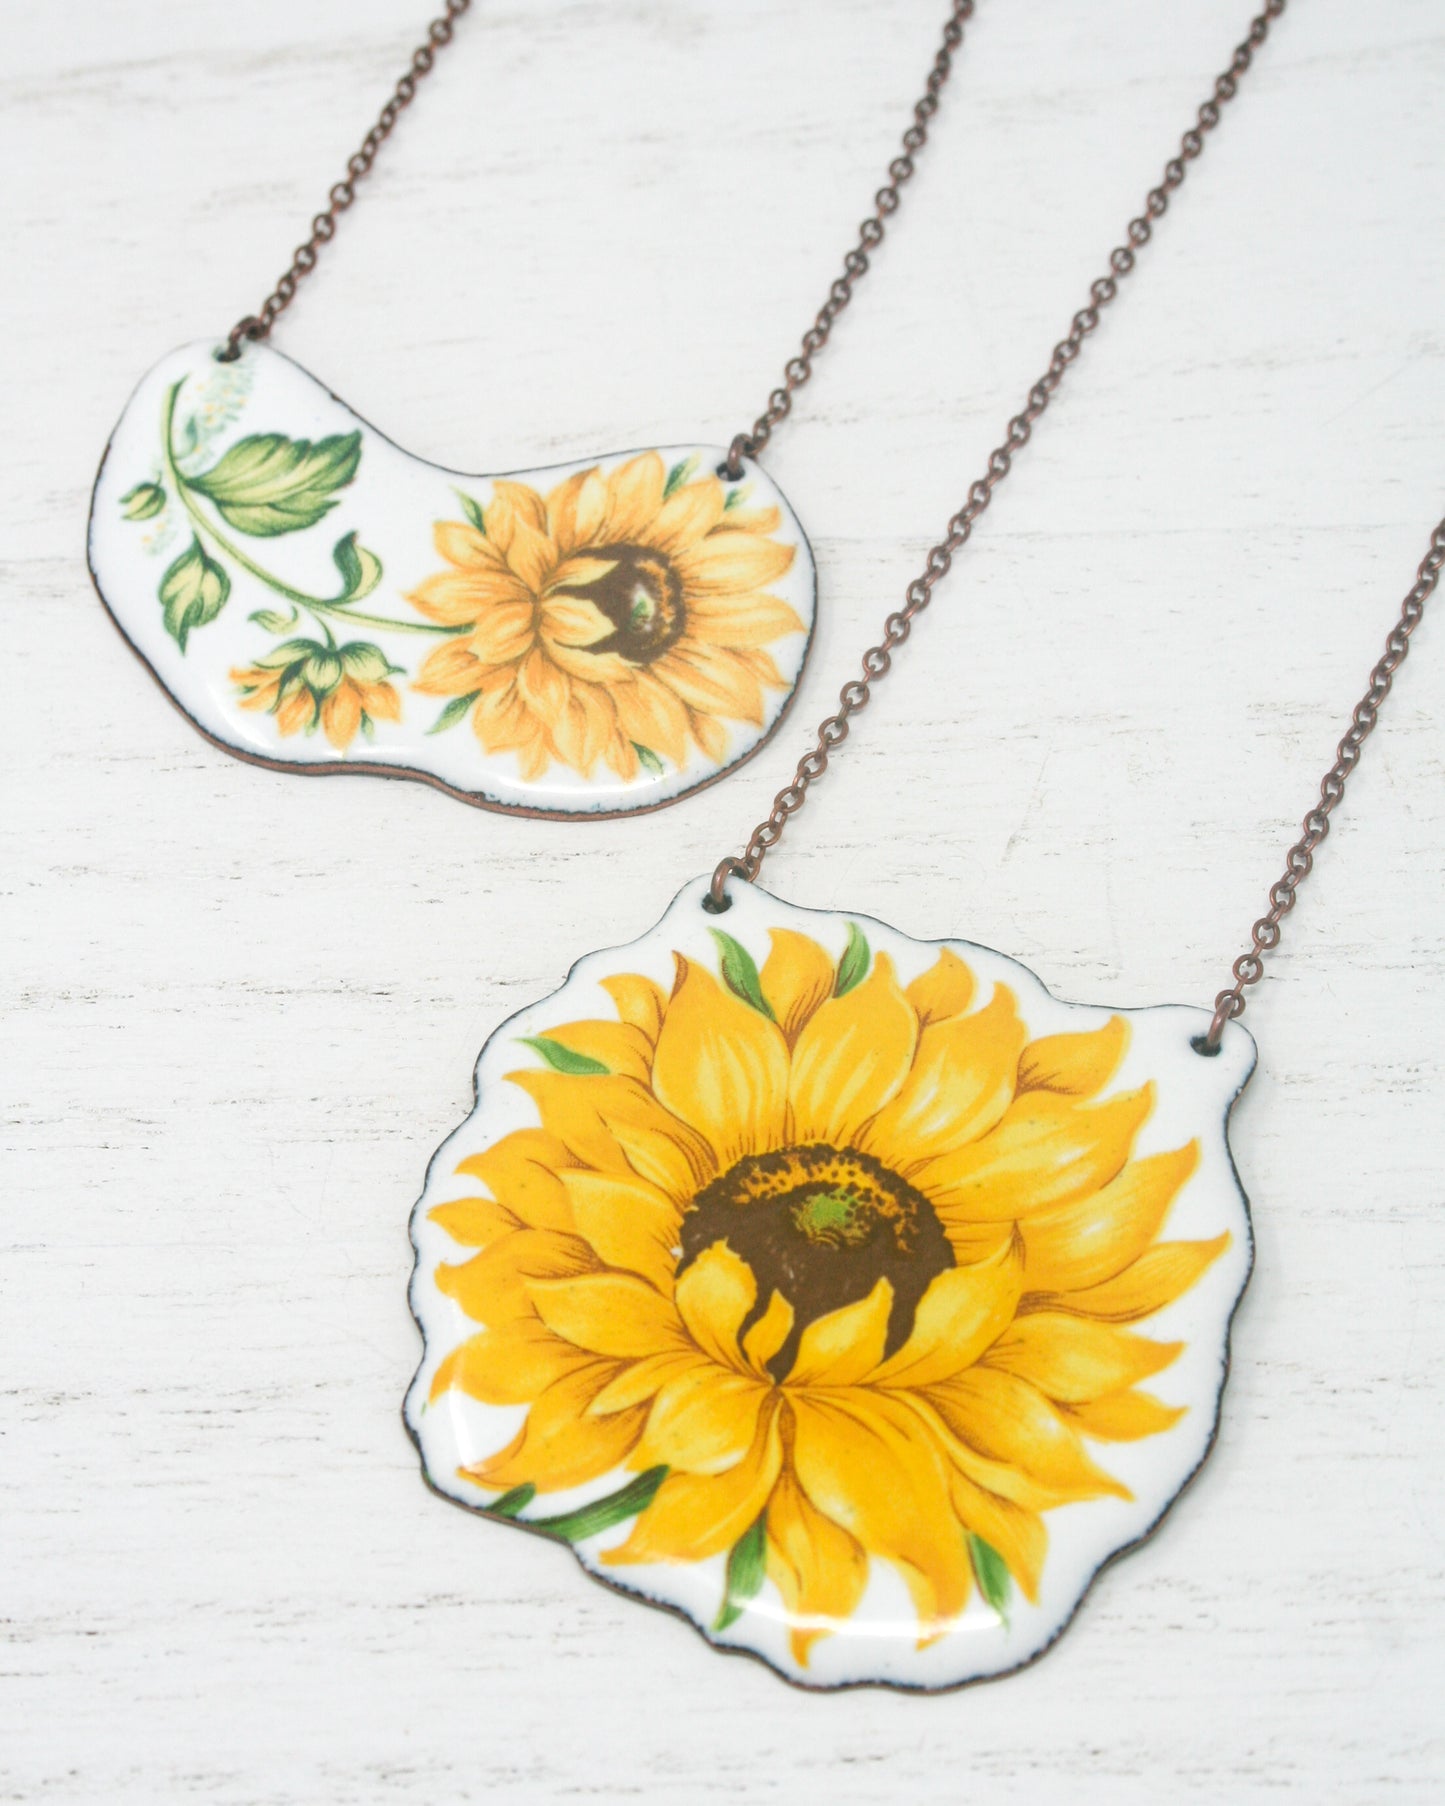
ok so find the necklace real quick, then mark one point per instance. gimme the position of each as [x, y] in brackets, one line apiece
[592, 639]
[849, 1295]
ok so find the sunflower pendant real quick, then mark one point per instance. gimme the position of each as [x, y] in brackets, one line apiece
[849, 1295]
[594, 639]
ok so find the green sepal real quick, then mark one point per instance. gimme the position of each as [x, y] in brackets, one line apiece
[453, 712]
[510, 1503]
[648, 759]
[991, 1571]
[144, 502]
[273, 620]
[365, 662]
[747, 1568]
[853, 967]
[267, 484]
[360, 569]
[192, 592]
[678, 475]
[472, 508]
[740, 973]
[562, 1059]
[602, 1514]
[735, 497]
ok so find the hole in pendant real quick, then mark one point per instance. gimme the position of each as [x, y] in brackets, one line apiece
[717, 909]
[1200, 1044]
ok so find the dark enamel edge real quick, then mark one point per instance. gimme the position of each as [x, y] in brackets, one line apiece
[476, 799]
[823, 1688]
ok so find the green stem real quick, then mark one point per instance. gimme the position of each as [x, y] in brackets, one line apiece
[317, 605]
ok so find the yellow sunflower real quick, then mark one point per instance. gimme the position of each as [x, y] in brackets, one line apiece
[306, 685]
[621, 618]
[845, 1265]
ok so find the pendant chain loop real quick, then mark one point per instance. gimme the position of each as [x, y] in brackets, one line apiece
[1248, 969]
[855, 265]
[323, 227]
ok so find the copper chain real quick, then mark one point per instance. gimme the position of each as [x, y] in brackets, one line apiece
[798, 369]
[919, 593]
[323, 227]
[1248, 969]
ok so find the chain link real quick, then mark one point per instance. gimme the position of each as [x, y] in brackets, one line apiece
[323, 227]
[919, 593]
[1248, 969]
[855, 265]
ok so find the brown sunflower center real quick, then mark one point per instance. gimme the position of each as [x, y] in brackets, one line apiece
[821, 1226]
[642, 597]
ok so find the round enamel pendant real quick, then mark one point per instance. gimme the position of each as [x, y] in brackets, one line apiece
[849, 1295]
[591, 639]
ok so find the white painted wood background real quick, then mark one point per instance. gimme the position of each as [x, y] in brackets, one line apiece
[243, 1008]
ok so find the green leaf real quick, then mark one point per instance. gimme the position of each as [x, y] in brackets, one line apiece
[735, 497]
[144, 502]
[273, 620]
[562, 1059]
[472, 508]
[678, 475]
[853, 967]
[648, 759]
[510, 1503]
[991, 1570]
[453, 712]
[602, 1514]
[360, 569]
[747, 1567]
[740, 974]
[268, 484]
[368, 664]
[192, 592]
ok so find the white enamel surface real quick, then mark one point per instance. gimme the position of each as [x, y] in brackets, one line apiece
[392, 504]
[879, 1644]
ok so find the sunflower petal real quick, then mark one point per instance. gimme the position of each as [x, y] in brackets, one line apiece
[721, 1066]
[639, 1002]
[1124, 1417]
[494, 1287]
[1046, 1151]
[713, 1297]
[1018, 1534]
[632, 1225]
[1011, 1422]
[576, 509]
[701, 1422]
[521, 1172]
[960, 1084]
[688, 515]
[732, 564]
[561, 1444]
[695, 1516]
[634, 499]
[1077, 1065]
[768, 1335]
[474, 1222]
[945, 989]
[617, 1126]
[844, 1346]
[741, 621]
[1098, 1235]
[963, 1311]
[507, 1366]
[819, 1569]
[867, 1462]
[851, 1059]
[1158, 1277]
[1072, 1360]
[610, 1314]
[798, 978]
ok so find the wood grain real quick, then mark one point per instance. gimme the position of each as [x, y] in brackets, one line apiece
[242, 1009]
